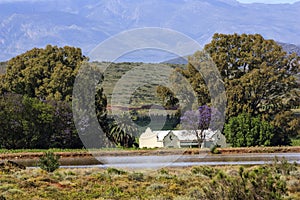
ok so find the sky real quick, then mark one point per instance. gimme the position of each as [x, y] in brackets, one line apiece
[268, 1]
[242, 1]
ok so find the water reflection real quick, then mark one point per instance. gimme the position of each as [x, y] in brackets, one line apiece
[152, 162]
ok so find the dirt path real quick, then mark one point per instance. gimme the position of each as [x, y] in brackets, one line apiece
[27, 155]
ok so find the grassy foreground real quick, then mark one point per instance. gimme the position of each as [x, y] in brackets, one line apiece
[276, 181]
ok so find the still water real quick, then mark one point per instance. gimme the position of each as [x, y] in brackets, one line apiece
[159, 161]
[152, 162]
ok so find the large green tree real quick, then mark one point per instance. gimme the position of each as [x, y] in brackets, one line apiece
[199, 83]
[259, 78]
[44, 73]
[48, 76]
[257, 73]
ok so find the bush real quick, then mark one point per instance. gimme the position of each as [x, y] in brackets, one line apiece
[206, 171]
[136, 176]
[261, 182]
[245, 130]
[156, 187]
[49, 162]
[214, 149]
[283, 166]
[115, 171]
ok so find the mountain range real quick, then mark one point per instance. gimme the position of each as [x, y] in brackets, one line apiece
[25, 24]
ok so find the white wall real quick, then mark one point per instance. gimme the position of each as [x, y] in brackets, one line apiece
[149, 139]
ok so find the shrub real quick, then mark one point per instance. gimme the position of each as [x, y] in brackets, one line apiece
[283, 166]
[49, 162]
[245, 130]
[206, 171]
[156, 186]
[115, 171]
[136, 176]
[262, 182]
[214, 149]
[164, 171]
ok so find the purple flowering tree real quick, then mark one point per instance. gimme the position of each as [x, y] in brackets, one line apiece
[199, 120]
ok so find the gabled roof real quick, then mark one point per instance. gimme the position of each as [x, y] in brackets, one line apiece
[184, 135]
[161, 134]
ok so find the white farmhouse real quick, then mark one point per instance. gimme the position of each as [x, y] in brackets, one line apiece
[180, 139]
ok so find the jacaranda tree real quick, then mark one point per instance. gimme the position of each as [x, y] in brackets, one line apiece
[200, 120]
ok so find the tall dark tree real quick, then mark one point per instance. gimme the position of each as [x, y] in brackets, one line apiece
[259, 78]
[25, 122]
[89, 105]
[191, 76]
[64, 133]
[199, 83]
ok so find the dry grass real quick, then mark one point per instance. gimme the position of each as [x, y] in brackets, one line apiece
[95, 183]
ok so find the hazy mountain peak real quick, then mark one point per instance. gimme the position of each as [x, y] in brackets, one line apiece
[29, 23]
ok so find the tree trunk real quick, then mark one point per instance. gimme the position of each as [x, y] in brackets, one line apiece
[200, 138]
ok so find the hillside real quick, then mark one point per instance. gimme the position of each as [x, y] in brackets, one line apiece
[290, 48]
[144, 94]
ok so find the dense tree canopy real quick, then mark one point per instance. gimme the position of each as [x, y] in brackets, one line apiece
[36, 91]
[244, 130]
[30, 123]
[259, 79]
[25, 122]
[44, 73]
[236, 55]
[39, 86]
[257, 72]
